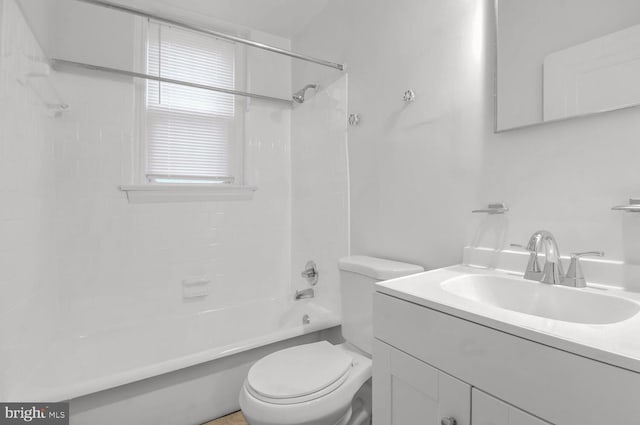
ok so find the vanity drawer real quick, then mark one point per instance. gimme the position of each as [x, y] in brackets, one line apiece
[559, 387]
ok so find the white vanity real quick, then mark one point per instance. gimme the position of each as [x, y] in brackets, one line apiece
[461, 345]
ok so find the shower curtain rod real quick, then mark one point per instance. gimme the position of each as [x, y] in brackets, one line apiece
[59, 64]
[217, 34]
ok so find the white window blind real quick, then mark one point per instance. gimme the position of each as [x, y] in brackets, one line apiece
[190, 132]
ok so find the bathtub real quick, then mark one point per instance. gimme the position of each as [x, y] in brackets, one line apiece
[93, 370]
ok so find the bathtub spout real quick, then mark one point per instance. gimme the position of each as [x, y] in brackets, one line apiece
[304, 294]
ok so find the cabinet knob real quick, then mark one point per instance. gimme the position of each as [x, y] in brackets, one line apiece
[448, 421]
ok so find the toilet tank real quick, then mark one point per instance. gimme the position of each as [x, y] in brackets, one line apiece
[358, 274]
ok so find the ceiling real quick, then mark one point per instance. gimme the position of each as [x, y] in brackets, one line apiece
[285, 18]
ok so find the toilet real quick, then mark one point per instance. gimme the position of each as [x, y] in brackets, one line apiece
[321, 383]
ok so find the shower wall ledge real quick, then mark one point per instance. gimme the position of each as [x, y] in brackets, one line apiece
[151, 193]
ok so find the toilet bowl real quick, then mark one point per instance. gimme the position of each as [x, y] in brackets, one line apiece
[322, 383]
[312, 384]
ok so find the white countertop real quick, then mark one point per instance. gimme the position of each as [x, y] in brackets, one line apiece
[617, 344]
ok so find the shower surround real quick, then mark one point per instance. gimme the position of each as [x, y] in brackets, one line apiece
[93, 275]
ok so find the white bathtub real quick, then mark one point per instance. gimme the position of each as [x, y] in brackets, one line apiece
[76, 366]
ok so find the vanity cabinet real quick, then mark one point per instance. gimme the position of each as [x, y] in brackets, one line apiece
[408, 391]
[429, 365]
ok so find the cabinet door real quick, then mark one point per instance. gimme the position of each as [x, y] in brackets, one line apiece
[488, 410]
[407, 391]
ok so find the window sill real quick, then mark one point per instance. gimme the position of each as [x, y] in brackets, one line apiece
[150, 193]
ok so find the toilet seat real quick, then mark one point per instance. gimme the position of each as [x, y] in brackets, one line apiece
[299, 374]
[326, 407]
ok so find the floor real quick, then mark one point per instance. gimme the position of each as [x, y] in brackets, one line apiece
[233, 419]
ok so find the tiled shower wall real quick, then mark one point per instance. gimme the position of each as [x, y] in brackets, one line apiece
[77, 257]
[28, 301]
[320, 181]
[123, 263]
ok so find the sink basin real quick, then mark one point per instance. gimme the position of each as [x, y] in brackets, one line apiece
[542, 300]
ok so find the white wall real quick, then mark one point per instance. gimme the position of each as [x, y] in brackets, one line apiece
[412, 167]
[81, 32]
[418, 170]
[28, 301]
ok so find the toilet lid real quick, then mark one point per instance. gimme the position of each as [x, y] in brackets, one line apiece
[299, 371]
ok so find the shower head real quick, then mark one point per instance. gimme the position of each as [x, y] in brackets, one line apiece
[299, 95]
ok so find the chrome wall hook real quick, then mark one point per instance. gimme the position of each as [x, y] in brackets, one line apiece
[354, 119]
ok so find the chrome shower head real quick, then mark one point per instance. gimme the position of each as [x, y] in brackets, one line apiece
[299, 95]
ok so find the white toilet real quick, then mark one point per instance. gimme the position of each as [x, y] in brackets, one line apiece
[321, 383]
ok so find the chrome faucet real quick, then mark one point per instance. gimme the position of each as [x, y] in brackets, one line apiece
[552, 273]
[304, 294]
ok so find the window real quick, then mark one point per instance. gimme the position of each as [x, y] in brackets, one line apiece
[191, 135]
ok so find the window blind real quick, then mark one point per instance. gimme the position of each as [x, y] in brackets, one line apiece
[189, 131]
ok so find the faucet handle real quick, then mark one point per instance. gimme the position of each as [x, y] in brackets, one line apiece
[533, 271]
[518, 245]
[575, 275]
[311, 273]
[587, 254]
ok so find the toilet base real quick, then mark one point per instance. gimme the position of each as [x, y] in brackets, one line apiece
[345, 419]
[358, 413]
[362, 406]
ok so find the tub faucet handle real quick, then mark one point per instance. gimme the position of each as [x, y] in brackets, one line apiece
[310, 273]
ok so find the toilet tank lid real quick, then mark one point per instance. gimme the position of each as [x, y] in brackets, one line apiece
[377, 268]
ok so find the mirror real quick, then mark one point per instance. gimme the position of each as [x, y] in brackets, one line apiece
[559, 59]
